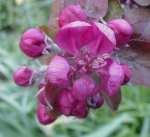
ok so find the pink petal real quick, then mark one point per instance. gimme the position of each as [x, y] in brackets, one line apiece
[95, 38]
[108, 40]
[72, 37]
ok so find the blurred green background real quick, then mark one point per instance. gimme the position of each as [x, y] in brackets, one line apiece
[17, 105]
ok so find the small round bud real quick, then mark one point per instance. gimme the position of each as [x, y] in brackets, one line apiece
[57, 72]
[123, 30]
[45, 116]
[23, 76]
[95, 101]
[70, 14]
[32, 42]
[127, 74]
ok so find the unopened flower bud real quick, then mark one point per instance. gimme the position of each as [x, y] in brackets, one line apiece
[65, 102]
[57, 72]
[23, 76]
[127, 74]
[80, 110]
[70, 14]
[32, 42]
[83, 88]
[95, 101]
[123, 31]
[45, 116]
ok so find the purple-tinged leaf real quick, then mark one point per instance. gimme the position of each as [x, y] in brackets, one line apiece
[95, 8]
[142, 2]
[112, 101]
[139, 18]
[138, 57]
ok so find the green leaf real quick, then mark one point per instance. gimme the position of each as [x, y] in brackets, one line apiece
[114, 10]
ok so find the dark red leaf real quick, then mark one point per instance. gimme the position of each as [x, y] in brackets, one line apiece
[138, 57]
[112, 101]
[94, 9]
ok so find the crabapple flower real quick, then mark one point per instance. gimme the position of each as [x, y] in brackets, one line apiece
[82, 74]
[70, 14]
[32, 42]
[123, 30]
[95, 38]
[58, 69]
[44, 115]
[23, 76]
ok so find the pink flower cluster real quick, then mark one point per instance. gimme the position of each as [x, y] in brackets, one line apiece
[84, 74]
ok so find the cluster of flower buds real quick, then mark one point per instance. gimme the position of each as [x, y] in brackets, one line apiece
[83, 74]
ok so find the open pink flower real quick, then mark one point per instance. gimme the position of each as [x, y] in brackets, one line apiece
[95, 38]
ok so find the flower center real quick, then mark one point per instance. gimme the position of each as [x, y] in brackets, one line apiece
[86, 63]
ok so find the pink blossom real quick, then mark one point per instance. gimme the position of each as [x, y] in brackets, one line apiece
[32, 42]
[23, 76]
[70, 14]
[95, 38]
